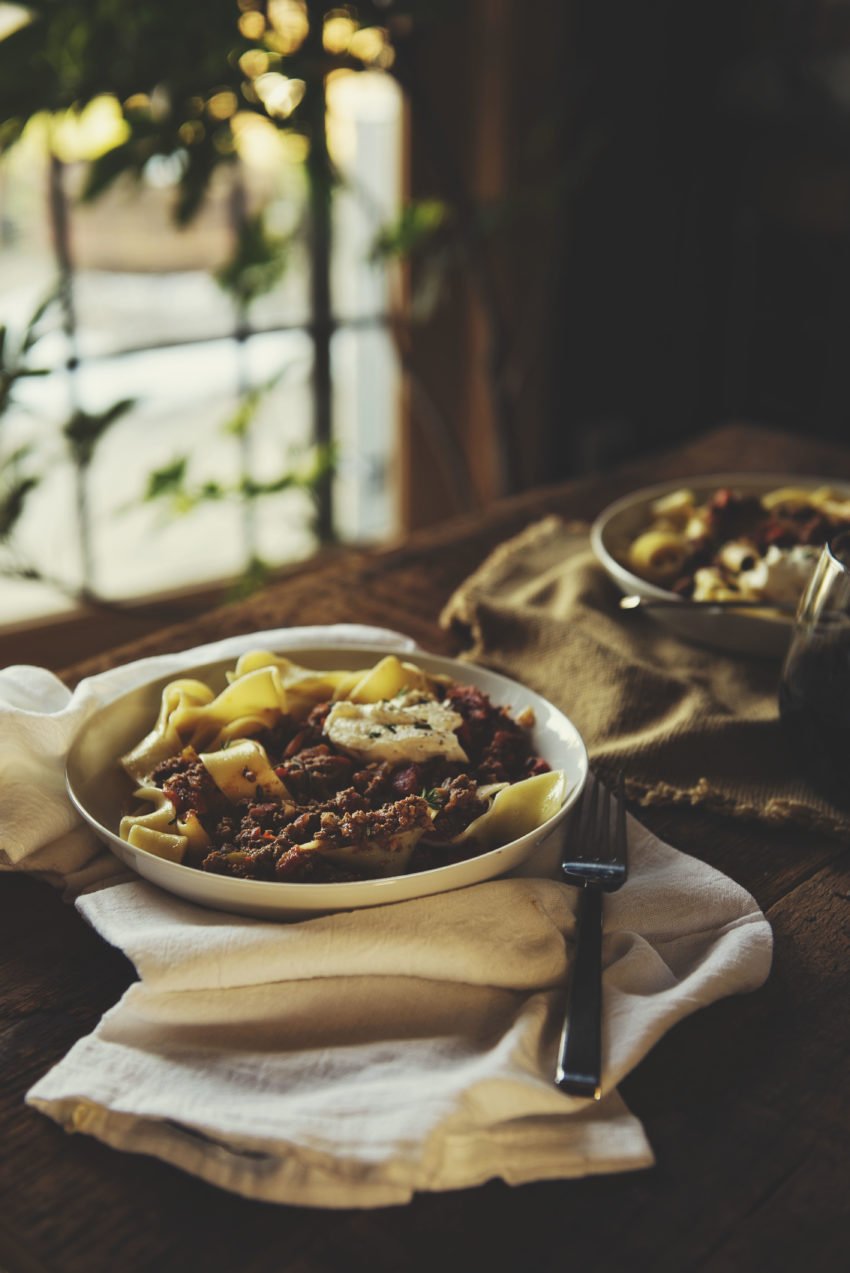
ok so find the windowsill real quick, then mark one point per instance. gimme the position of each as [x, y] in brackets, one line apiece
[58, 640]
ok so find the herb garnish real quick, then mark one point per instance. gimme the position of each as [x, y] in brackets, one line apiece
[435, 797]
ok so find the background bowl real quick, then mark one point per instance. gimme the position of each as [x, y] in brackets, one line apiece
[102, 793]
[621, 522]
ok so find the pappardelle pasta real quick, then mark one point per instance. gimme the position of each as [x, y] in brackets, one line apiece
[296, 775]
[737, 546]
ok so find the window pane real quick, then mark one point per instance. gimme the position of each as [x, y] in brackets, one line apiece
[364, 137]
[154, 326]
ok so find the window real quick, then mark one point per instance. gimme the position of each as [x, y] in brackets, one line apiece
[210, 388]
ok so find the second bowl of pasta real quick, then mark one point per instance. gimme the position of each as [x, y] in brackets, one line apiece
[723, 537]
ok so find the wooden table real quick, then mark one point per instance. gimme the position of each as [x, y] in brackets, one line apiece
[746, 1104]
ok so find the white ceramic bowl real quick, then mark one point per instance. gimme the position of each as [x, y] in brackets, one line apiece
[102, 792]
[621, 522]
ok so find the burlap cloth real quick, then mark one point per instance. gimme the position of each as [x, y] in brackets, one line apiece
[687, 725]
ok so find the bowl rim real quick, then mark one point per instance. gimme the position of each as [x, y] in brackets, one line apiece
[340, 891]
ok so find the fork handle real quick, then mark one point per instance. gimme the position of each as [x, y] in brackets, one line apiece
[580, 1051]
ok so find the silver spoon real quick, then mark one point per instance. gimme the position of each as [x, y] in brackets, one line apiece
[635, 602]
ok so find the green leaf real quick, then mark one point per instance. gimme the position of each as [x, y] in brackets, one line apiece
[434, 796]
[84, 430]
[20, 453]
[323, 464]
[201, 162]
[167, 481]
[12, 503]
[258, 262]
[255, 576]
[242, 418]
[250, 488]
[12, 365]
[420, 223]
[33, 327]
[108, 167]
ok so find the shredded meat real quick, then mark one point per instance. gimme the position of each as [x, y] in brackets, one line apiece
[733, 516]
[458, 804]
[374, 825]
[316, 772]
[306, 866]
[192, 789]
[245, 864]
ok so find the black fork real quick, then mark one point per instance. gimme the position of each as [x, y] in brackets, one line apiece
[595, 860]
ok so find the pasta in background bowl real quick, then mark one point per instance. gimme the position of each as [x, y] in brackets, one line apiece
[669, 541]
[217, 709]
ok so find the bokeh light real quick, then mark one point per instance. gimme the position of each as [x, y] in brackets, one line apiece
[338, 30]
[12, 18]
[279, 94]
[289, 25]
[222, 105]
[89, 133]
[258, 142]
[371, 45]
[252, 25]
[253, 63]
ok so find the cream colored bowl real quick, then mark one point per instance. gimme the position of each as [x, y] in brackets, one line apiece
[102, 792]
[762, 634]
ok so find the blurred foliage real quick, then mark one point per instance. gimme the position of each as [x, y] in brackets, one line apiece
[184, 76]
[418, 227]
[426, 234]
[171, 485]
[18, 473]
[13, 494]
[85, 429]
[256, 575]
[13, 361]
[258, 262]
[183, 72]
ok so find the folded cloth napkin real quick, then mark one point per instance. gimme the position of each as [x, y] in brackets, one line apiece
[688, 725]
[353, 1059]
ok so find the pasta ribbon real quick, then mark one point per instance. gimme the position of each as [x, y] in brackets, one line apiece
[386, 679]
[659, 555]
[516, 809]
[179, 699]
[243, 772]
[793, 497]
[157, 831]
[300, 683]
[673, 511]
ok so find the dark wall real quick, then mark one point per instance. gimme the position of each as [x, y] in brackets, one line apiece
[708, 269]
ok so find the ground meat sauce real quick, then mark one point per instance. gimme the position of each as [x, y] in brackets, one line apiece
[340, 801]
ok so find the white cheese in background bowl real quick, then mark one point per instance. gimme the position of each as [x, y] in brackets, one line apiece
[782, 573]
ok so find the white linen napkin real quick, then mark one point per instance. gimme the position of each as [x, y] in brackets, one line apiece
[351, 1060]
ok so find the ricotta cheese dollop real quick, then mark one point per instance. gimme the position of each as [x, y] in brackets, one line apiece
[406, 728]
[782, 574]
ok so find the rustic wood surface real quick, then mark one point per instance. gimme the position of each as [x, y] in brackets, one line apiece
[746, 1104]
